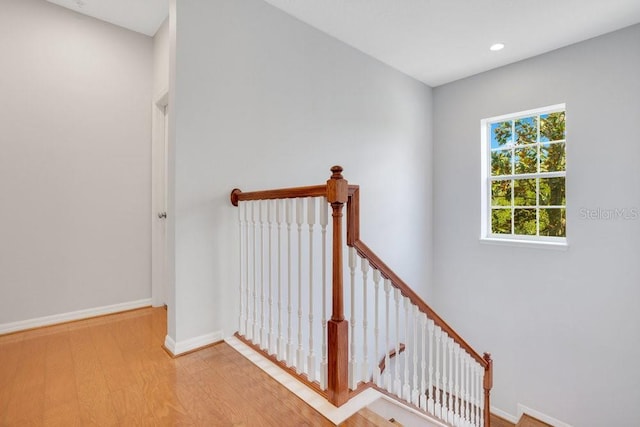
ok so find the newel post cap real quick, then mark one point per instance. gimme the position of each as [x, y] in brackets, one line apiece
[488, 373]
[337, 186]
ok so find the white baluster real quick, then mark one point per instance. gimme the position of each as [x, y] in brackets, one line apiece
[353, 364]
[387, 366]
[324, 219]
[456, 402]
[299, 221]
[430, 397]
[397, 383]
[469, 390]
[472, 392]
[247, 299]
[364, 266]
[256, 327]
[470, 387]
[443, 386]
[270, 333]
[415, 393]
[261, 337]
[311, 219]
[474, 398]
[279, 219]
[463, 410]
[480, 396]
[406, 388]
[450, 413]
[290, 346]
[423, 361]
[242, 317]
[438, 389]
[376, 327]
[465, 396]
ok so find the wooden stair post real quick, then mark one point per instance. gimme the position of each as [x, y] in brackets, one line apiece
[337, 326]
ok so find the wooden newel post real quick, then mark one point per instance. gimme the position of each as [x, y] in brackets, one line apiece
[337, 326]
[488, 384]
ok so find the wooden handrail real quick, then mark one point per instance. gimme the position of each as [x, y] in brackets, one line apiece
[392, 353]
[281, 193]
[353, 240]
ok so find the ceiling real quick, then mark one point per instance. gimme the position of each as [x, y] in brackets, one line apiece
[141, 16]
[435, 41]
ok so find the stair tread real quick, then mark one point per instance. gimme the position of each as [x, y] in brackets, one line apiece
[376, 419]
[529, 421]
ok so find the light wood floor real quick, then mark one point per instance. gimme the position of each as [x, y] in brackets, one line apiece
[113, 371]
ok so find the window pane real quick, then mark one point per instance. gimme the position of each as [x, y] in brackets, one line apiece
[553, 222]
[501, 193]
[501, 134]
[524, 192]
[526, 130]
[552, 192]
[525, 221]
[501, 221]
[552, 157]
[501, 162]
[526, 160]
[552, 127]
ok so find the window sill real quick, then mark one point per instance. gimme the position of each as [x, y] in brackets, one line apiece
[558, 246]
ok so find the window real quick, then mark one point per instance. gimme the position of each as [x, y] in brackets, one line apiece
[524, 176]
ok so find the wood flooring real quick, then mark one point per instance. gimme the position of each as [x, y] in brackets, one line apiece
[112, 371]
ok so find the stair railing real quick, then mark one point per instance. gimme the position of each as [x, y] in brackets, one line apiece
[284, 308]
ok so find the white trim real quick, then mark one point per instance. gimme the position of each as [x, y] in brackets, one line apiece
[162, 99]
[159, 155]
[170, 344]
[520, 114]
[502, 414]
[407, 416]
[38, 322]
[185, 346]
[542, 417]
[486, 179]
[520, 243]
[310, 397]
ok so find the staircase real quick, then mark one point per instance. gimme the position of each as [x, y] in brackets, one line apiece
[317, 301]
[524, 421]
[367, 417]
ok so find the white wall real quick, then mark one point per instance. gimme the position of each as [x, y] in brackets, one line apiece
[265, 101]
[74, 162]
[563, 327]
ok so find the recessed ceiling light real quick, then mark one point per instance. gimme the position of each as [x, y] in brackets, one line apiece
[496, 47]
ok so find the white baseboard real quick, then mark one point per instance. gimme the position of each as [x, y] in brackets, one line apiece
[308, 395]
[388, 408]
[542, 417]
[502, 414]
[184, 346]
[38, 322]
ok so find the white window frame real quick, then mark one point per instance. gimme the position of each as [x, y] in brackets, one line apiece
[486, 236]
